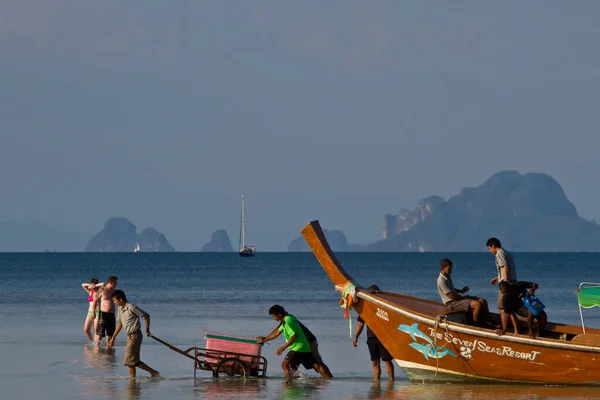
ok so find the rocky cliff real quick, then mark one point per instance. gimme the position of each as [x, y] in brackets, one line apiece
[527, 212]
[335, 238]
[152, 240]
[219, 242]
[120, 235]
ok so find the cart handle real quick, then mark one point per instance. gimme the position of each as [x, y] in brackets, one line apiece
[173, 348]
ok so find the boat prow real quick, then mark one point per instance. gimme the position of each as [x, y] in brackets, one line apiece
[430, 342]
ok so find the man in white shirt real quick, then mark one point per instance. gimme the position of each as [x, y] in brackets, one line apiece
[453, 298]
[505, 268]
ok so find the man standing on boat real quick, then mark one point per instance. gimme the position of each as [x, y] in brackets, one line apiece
[107, 320]
[301, 351]
[457, 302]
[505, 267]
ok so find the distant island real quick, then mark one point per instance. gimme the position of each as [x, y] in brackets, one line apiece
[120, 235]
[527, 212]
[219, 242]
[335, 238]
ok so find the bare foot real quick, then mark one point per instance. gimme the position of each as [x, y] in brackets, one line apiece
[499, 332]
[531, 335]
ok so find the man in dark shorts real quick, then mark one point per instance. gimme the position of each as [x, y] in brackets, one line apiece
[376, 349]
[300, 350]
[512, 303]
[107, 320]
[319, 366]
[457, 302]
[129, 320]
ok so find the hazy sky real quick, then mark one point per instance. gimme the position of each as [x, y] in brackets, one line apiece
[165, 111]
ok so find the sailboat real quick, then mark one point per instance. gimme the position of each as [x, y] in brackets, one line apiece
[245, 250]
[137, 248]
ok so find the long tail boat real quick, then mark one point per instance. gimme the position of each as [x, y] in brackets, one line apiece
[429, 345]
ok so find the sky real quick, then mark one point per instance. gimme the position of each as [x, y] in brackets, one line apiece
[166, 112]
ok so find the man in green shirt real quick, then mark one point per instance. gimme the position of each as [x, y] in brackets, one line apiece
[295, 340]
[319, 365]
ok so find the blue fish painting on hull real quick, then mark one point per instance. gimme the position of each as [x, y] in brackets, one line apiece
[428, 350]
[414, 332]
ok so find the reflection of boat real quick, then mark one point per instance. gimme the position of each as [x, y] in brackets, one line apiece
[137, 248]
[245, 250]
[429, 345]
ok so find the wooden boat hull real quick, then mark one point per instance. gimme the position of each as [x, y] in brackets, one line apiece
[426, 350]
[429, 346]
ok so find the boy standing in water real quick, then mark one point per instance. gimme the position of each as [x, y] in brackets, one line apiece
[129, 320]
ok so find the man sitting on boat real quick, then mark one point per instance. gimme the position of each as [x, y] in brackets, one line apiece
[457, 302]
[512, 303]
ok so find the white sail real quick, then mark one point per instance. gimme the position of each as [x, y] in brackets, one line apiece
[245, 249]
[137, 248]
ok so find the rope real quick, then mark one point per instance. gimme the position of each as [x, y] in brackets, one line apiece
[348, 290]
[438, 321]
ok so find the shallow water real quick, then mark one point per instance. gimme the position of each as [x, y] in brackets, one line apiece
[45, 354]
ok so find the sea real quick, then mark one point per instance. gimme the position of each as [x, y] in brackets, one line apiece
[44, 353]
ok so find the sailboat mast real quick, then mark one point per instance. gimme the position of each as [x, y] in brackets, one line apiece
[243, 224]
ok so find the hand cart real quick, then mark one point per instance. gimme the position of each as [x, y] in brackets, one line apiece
[226, 356]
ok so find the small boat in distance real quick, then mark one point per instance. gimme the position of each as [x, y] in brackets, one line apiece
[137, 248]
[245, 250]
[432, 343]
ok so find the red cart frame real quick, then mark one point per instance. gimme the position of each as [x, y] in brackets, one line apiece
[226, 355]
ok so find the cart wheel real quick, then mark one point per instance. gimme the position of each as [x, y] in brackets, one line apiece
[231, 367]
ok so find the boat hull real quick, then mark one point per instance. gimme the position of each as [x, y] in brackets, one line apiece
[429, 346]
[246, 253]
[428, 350]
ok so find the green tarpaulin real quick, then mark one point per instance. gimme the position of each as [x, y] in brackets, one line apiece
[589, 297]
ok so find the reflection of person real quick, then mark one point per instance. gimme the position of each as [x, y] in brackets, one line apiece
[300, 352]
[106, 324]
[132, 389]
[93, 313]
[99, 357]
[377, 350]
[129, 320]
[376, 392]
[457, 302]
[505, 267]
[512, 303]
[319, 366]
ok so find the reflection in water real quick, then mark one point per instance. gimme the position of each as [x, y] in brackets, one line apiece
[382, 390]
[99, 357]
[492, 391]
[302, 389]
[230, 388]
[132, 390]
